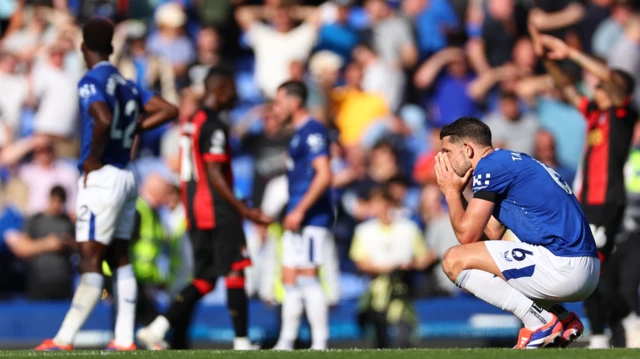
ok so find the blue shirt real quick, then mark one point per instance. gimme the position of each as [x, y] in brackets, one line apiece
[432, 24]
[450, 100]
[338, 38]
[534, 202]
[104, 83]
[568, 128]
[310, 141]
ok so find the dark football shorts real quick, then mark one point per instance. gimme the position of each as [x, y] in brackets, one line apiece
[605, 222]
[219, 251]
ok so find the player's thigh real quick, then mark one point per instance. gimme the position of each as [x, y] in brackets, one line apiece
[98, 205]
[202, 244]
[128, 190]
[541, 275]
[304, 250]
[229, 248]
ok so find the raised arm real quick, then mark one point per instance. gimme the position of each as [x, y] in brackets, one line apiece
[546, 21]
[560, 79]
[429, 70]
[479, 87]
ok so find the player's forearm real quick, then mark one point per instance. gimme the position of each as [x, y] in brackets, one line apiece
[219, 184]
[600, 70]
[457, 206]
[319, 185]
[158, 112]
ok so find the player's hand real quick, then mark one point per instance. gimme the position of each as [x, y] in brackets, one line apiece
[256, 216]
[89, 166]
[293, 220]
[448, 179]
[558, 49]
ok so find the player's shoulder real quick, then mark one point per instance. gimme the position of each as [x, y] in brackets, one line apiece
[313, 126]
[499, 158]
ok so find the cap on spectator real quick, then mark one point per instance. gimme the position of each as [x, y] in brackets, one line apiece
[136, 30]
[170, 15]
[323, 61]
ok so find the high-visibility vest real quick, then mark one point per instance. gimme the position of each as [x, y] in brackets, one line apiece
[147, 247]
[633, 174]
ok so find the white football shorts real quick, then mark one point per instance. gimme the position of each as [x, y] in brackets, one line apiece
[106, 207]
[305, 248]
[541, 275]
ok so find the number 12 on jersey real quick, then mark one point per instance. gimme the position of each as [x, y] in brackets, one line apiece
[130, 120]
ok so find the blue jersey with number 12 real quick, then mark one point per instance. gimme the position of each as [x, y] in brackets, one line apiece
[103, 83]
[534, 202]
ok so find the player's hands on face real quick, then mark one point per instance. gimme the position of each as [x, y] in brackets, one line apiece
[448, 179]
[293, 220]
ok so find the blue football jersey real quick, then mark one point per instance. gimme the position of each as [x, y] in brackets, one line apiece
[534, 202]
[103, 83]
[310, 141]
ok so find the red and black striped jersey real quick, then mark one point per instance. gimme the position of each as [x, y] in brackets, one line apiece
[600, 179]
[204, 138]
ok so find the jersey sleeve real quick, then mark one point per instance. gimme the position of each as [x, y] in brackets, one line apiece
[317, 143]
[89, 92]
[144, 95]
[213, 143]
[490, 180]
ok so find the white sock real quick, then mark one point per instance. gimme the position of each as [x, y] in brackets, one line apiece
[127, 295]
[160, 326]
[315, 304]
[84, 300]
[291, 315]
[494, 290]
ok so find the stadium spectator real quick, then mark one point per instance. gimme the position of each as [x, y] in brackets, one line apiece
[45, 244]
[625, 54]
[545, 152]
[45, 172]
[57, 96]
[391, 35]
[12, 102]
[355, 109]
[339, 36]
[170, 43]
[611, 29]
[439, 237]
[208, 54]
[510, 128]
[449, 77]
[324, 73]
[379, 77]
[276, 47]
[432, 20]
[387, 248]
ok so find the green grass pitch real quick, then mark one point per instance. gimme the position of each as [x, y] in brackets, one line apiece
[342, 354]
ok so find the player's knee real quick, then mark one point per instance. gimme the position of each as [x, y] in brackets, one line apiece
[452, 263]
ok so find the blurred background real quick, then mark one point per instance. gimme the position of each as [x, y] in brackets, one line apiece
[383, 75]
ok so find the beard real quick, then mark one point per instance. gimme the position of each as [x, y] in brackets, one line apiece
[461, 168]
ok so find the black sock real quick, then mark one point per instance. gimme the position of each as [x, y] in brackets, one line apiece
[238, 306]
[183, 303]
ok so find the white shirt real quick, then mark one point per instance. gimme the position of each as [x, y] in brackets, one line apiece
[385, 80]
[12, 98]
[276, 50]
[394, 245]
[57, 93]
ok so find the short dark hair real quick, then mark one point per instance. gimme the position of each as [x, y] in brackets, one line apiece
[215, 73]
[296, 89]
[97, 34]
[508, 95]
[59, 192]
[381, 192]
[623, 79]
[467, 128]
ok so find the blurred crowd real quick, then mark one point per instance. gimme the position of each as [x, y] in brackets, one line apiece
[383, 75]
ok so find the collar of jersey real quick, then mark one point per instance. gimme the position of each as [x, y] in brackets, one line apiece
[301, 125]
[101, 63]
